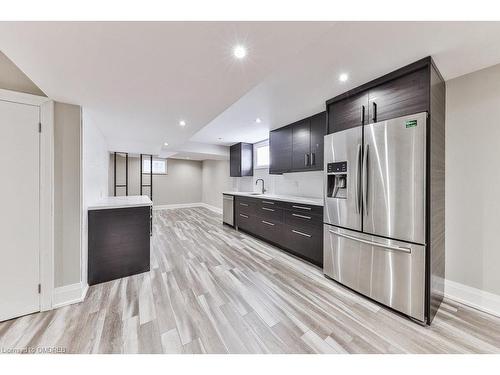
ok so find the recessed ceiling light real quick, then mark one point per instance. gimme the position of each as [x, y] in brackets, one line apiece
[258, 120]
[220, 139]
[343, 77]
[182, 123]
[239, 52]
[165, 144]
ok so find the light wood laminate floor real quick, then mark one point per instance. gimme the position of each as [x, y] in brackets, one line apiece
[212, 289]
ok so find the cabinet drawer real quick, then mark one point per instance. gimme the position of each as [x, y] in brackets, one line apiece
[245, 206]
[269, 230]
[245, 222]
[303, 219]
[305, 242]
[269, 212]
[306, 209]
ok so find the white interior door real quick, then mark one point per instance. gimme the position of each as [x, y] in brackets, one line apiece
[19, 205]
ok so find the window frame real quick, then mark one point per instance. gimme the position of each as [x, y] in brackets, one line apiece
[147, 160]
[256, 146]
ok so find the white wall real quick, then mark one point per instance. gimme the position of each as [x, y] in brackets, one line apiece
[182, 183]
[215, 180]
[67, 194]
[95, 176]
[473, 180]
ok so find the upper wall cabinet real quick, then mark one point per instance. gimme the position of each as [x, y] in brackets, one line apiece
[280, 150]
[298, 146]
[399, 97]
[400, 93]
[241, 160]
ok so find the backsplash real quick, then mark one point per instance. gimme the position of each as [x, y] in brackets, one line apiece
[304, 184]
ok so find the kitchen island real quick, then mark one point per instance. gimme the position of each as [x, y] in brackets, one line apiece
[119, 232]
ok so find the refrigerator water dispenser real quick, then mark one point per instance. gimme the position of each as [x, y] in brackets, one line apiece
[337, 180]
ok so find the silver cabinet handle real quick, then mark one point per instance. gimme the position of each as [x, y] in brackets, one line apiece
[365, 179]
[395, 248]
[268, 223]
[267, 202]
[357, 187]
[301, 233]
[243, 204]
[245, 216]
[302, 216]
[267, 209]
[302, 208]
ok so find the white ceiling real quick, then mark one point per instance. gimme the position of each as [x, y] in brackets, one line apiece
[364, 50]
[136, 80]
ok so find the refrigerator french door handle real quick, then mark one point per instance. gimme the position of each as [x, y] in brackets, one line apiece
[374, 112]
[358, 181]
[372, 243]
[365, 179]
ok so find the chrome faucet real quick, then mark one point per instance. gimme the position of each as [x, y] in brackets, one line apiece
[263, 189]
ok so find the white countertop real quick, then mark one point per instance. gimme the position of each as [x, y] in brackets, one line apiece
[121, 202]
[278, 197]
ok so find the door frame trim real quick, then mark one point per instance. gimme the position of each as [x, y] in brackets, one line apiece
[46, 192]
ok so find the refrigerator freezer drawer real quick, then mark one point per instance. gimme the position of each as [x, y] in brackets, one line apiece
[390, 272]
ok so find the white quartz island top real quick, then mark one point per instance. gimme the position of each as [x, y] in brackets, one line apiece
[278, 197]
[121, 202]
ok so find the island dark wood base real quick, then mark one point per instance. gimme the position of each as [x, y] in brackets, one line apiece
[118, 243]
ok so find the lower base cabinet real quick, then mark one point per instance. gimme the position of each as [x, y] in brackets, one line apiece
[296, 228]
[118, 243]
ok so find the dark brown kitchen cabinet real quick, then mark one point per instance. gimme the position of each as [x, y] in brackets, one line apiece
[402, 92]
[318, 131]
[280, 150]
[402, 96]
[299, 146]
[118, 243]
[296, 228]
[241, 160]
[348, 113]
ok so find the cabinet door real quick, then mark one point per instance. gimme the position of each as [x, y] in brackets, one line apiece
[246, 161]
[235, 160]
[318, 131]
[301, 145]
[402, 96]
[348, 113]
[280, 150]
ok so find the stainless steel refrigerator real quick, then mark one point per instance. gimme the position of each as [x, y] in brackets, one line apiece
[375, 211]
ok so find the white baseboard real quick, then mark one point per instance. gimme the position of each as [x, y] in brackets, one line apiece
[173, 206]
[69, 294]
[212, 208]
[476, 298]
[187, 205]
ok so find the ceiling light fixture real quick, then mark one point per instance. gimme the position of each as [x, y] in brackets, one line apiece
[343, 77]
[258, 120]
[165, 144]
[239, 52]
[182, 123]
